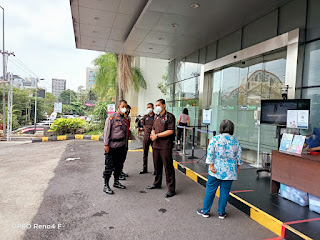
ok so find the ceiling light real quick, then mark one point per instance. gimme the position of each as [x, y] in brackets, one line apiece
[96, 18]
[174, 25]
[195, 5]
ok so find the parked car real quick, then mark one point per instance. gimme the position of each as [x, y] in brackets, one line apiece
[28, 130]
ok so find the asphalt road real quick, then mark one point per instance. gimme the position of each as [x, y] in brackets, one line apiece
[38, 187]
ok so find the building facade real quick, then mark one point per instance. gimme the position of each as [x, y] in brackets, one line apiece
[58, 85]
[233, 74]
[223, 55]
[90, 78]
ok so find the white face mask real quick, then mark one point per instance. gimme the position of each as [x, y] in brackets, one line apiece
[149, 110]
[158, 109]
[123, 110]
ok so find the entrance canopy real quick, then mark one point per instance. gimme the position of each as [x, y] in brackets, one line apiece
[164, 29]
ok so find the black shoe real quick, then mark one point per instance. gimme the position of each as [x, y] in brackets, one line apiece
[143, 172]
[169, 194]
[153, 187]
[178, 147]
[122, 177]
[124, 174]
[107, 189]
[117, 184]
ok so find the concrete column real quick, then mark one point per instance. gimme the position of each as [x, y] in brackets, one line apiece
[292, 62]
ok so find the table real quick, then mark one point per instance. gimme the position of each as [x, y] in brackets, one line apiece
[298, 171]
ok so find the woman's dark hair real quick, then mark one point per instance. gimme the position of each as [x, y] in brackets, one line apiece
[185, 111]
[227, 126]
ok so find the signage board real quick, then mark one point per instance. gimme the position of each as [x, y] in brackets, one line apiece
[58, 107]
[111, 108]
[206, 116]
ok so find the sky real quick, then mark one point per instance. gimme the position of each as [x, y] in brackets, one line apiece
[40, 33]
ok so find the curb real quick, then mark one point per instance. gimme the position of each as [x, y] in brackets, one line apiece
[68, 137]
[276, 226]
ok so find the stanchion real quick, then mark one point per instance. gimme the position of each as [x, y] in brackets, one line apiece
[184, 142]
[192, 152]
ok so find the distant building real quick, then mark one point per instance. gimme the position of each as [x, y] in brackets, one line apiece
[90, 78]
[58, 85]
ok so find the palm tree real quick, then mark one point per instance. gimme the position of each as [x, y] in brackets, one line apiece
[116, 72]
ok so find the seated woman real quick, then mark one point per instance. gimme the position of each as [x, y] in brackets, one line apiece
[224, 157]
[312, 143]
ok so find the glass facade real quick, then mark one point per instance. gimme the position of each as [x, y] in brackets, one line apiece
[183, 89]
[237, 93]
[311, 80]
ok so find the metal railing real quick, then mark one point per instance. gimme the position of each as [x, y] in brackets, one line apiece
[194, 130]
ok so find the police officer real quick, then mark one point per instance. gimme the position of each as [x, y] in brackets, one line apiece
[147, 122]
[162, 135]
[115, 141]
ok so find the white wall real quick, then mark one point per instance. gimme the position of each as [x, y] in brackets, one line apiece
[152, 69]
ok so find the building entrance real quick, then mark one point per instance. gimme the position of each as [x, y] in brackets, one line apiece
[237, 92]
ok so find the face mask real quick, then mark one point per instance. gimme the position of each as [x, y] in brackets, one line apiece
[158, 109]
[123, 110]
[149, 110]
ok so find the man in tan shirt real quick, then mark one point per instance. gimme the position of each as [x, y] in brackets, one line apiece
[115, 143]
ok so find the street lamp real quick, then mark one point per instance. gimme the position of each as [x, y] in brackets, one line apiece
[35, 105]
[3, 78]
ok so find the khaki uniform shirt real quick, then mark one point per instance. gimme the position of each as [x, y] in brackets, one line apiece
[115, 131]
[164, 122]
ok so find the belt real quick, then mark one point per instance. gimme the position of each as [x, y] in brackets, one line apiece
[117, 140]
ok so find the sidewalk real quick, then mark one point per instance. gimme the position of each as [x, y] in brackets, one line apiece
[43, 188]
[251, 194]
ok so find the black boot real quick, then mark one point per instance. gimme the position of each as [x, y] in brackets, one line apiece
[117, 184]
[106, 187]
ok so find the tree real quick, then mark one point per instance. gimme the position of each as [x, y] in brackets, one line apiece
[49, 103]
[163, 85]
[83, 94]
[117, 73]
[68, 96]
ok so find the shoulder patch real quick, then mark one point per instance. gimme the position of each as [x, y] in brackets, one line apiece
[110, 118]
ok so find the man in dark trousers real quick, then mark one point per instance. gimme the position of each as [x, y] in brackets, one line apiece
[115, 140]
[147, 122]
[162, 135]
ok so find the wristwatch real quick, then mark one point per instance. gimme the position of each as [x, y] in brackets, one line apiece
[157, 135]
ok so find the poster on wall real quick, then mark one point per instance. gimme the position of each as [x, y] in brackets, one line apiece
[303, 119]
[297, 119]
[111, 108]
[206, 116]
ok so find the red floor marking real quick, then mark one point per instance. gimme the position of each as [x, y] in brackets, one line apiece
[302, 221]
[188, 162]
[242, 191]
[277, 238]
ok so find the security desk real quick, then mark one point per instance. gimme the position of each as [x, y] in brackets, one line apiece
[298, 171]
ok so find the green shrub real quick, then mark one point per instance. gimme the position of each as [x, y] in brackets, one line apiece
[62, 126]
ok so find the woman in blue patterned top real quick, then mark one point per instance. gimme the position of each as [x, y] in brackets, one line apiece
[224, 156]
